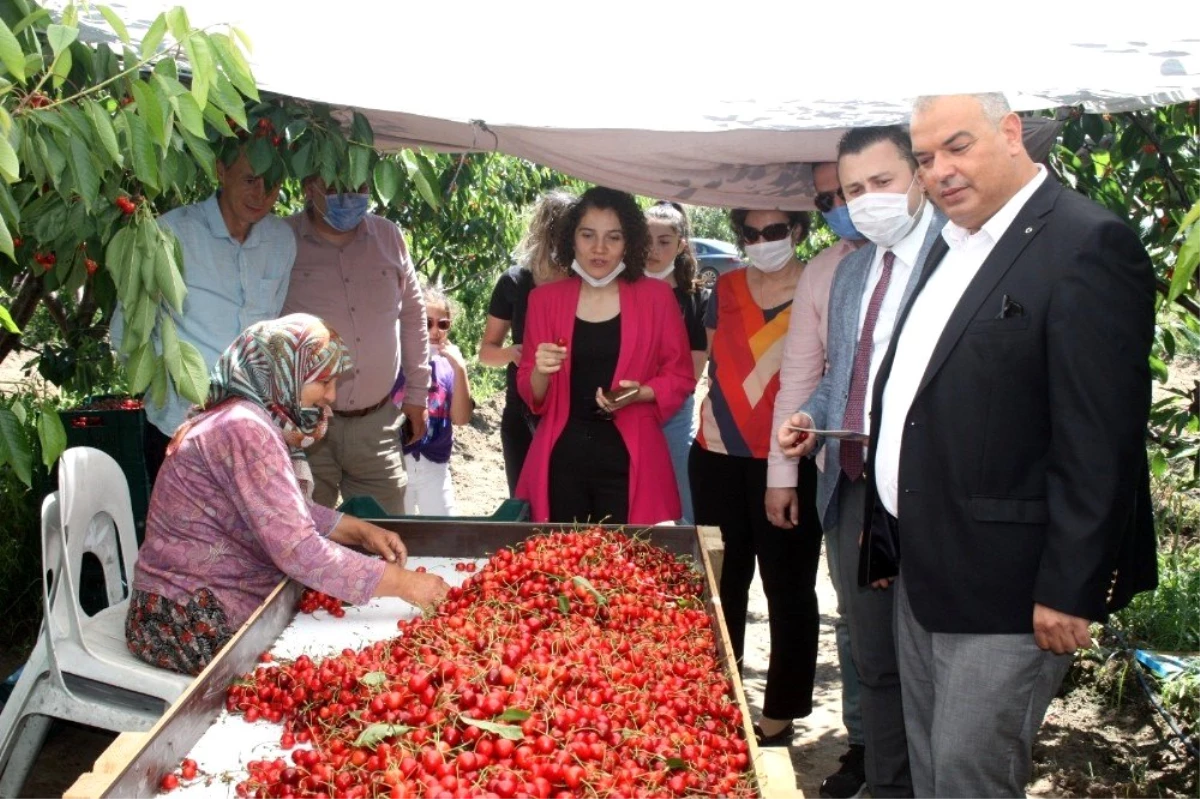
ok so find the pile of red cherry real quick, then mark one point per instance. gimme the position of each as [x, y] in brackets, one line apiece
[577, 664]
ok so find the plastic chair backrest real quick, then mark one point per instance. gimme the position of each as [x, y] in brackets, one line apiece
[93, 497]
[52, 558]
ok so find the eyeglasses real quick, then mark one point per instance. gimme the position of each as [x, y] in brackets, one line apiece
[775, 232]
[441, 324]
[824, 200]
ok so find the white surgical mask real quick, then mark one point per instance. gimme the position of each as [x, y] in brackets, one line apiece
[883, 217]
[771, 256]
[663, 274]
[597, 282]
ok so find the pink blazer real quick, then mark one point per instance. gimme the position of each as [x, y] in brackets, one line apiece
[654, 352]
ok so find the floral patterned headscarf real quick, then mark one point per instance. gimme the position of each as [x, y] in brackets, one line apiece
[269, 364]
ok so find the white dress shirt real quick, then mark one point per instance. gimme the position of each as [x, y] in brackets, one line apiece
[931, 309]
[907, 250]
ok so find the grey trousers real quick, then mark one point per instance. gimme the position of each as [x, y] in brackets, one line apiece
[871, 618]
[973, 704]
[851, 701]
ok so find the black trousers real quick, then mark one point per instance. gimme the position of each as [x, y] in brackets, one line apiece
[729, 492]
[154, 448]
[589, 474]
[516, 434]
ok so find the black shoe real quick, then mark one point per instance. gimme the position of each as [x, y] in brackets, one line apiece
[781, 738]
[850, 780]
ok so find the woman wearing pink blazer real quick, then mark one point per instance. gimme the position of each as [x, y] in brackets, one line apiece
[607, 362]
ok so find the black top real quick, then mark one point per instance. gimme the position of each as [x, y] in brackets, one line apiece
[693, 306]
[510, 299]
[595, 348]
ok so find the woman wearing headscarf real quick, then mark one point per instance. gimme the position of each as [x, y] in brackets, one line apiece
[231, 512]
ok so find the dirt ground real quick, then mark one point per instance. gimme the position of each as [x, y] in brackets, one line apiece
[1085, 748]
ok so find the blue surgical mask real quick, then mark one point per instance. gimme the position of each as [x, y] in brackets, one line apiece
[839, 222]
[344, 212]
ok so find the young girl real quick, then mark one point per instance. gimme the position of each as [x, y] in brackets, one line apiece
[430, 491]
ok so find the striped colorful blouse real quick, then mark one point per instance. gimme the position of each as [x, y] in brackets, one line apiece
[743, 373]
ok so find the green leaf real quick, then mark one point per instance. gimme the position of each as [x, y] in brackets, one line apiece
[412, 164]
[177, 23]
[674, 763]
[190, 116]
[373, 679]
[14, 447]
[302, 165]
[11, 53]
[158, 385]
[51, 434]
[153, 37]
[194, 382]
[18, 409]
[564, 604]
[10, 167]
[170, 341]
[29, 19]
[140, 367]
[214, 117]
[514, 714]
[1185, 263]
[200, 56]
[202, 154]
[1192, 216]
[225, 97]
[148, 247]
[150, 109]
[1158, 464]
[582, 581]
[261, 155]
[503, 730]
[119, 255]
[115, 23]
[387, 180]
[243, 37]
[6, 247]
[166, 271]
[60, 37]
[1158, 369]
[87, 180]
[360, 130]
[102, 125]
[145, 164]
[373, 735]
[6, 320]
[360, 166]
[234, 64]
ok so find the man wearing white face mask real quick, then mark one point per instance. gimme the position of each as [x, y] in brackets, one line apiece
[353, 271]
[886, 203]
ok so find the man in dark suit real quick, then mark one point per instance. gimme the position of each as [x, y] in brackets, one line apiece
[1007, 465]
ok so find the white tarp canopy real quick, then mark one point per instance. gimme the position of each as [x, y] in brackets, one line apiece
[708, 104]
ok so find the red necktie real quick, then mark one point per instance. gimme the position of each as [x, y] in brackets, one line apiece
[852, 452]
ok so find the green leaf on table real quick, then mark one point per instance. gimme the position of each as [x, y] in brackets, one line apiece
[387, 180]
[51, 434]
[60, 37]
[582, 581]
[6, 320]
[102, 125]
[11, 53]
[503, 730]
[674, 762]
[194, 382]
[373, 735]
[564, 605]
[115, 23]
[373, 679]
[514, 714]
[14, 447]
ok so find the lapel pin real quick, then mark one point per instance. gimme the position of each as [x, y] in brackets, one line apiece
[1028, 230]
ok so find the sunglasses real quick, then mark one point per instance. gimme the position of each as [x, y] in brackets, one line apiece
[775, 232]
[824, 200]
[440, 324]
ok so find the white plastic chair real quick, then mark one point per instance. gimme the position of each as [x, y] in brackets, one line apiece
[80, 669]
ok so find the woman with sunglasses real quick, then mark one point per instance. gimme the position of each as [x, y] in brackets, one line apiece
[672, 261]
[607, 363]
[747, 321]
[430, 491]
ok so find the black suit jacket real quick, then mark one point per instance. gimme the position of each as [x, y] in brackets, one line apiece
[1023, 474]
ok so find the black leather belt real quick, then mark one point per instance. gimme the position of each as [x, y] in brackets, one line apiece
[362, 411]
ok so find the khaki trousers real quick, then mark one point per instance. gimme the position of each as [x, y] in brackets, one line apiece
[360, 456]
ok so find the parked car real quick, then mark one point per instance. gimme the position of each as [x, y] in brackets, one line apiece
[714, 258]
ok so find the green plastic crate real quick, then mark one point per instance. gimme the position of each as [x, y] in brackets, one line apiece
[510, 510]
